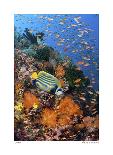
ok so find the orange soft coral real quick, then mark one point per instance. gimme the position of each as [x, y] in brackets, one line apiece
[64, 120]
[62, 115]
[66, 109]
[79, 126]
[59, 72]
[29, 100]
[49, 118]
[69, 107]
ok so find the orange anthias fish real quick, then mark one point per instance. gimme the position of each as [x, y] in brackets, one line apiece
[77, 81]
[87, 64]
[82, 98]
[80, 62]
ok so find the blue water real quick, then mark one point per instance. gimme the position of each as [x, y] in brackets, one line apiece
[73, 35]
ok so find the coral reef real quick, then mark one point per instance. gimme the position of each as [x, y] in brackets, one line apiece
[40, 115]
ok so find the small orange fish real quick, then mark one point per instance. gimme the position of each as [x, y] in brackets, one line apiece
[50, 19]
[86, 65]
[78, 68]
[80, 62]
[62, 30]
[73, 25]
[61, 23]
[77, 19]
[77, 81]
[93, 82]
[93, 99]
[89, 86]
[74, 51]
[57, 35]
[93, 102]
[82, 98]
[77, 85]
[86, 58]
[59, 44]
[90, 92]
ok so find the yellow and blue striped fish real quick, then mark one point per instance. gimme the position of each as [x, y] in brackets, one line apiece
[48, 82]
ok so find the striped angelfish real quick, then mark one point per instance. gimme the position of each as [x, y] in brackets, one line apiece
[48, 82]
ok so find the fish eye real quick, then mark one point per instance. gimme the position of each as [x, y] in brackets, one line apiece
[60, 90]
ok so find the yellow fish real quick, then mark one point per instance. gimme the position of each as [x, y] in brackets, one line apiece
[47, 82]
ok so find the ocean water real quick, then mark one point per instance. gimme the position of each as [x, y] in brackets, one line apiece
[73, 35]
